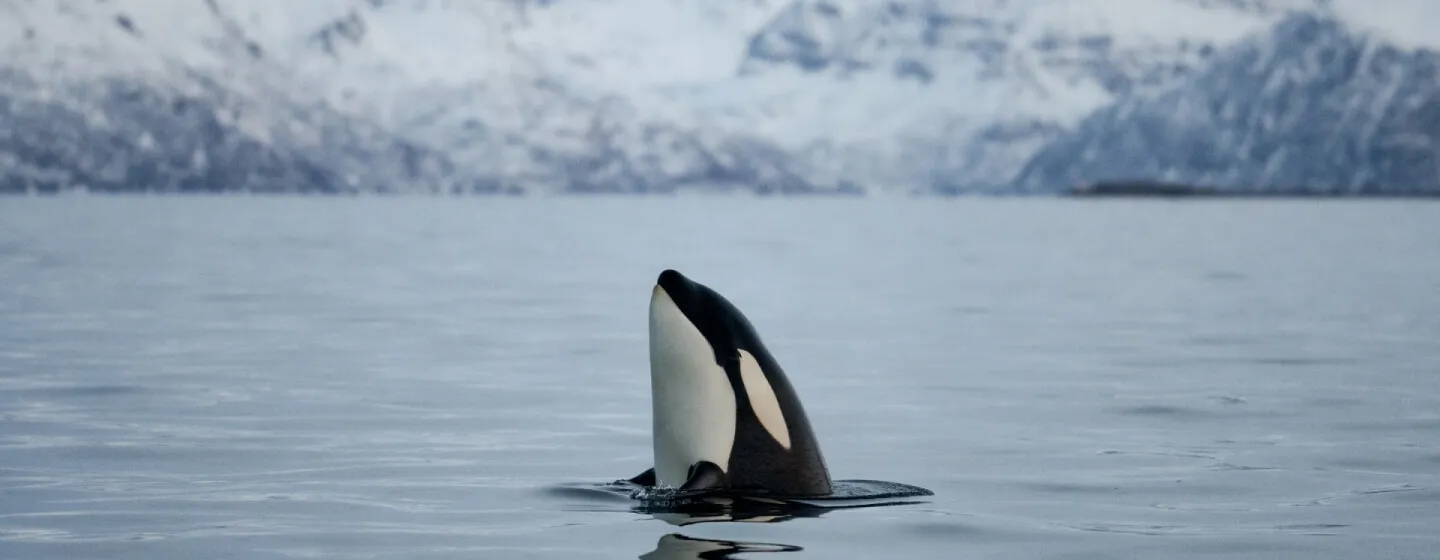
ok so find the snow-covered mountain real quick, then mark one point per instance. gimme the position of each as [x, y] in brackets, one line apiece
[330, 95]
[1310, 107]
[607, 95]
[174, 96]
[959, 94]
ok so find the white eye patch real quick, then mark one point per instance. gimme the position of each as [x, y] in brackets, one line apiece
[762, 399]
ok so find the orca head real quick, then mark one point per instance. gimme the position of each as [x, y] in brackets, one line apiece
[706, 311]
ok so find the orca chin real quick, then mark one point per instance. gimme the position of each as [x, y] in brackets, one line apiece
[726, 419]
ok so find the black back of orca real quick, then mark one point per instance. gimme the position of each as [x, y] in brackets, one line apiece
[758, 462]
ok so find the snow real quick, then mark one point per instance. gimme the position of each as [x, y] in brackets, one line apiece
[1143, 22]
[894, 91]
[871, 109]
[1411, 24]
[1311, 105]
[631, 46]
[65, 38]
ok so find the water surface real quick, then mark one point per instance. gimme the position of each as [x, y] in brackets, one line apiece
[422, 378]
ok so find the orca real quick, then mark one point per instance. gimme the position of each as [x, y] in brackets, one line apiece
[725, 417]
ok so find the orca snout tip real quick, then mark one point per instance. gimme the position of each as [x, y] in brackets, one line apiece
[672, 282]
[669, 275]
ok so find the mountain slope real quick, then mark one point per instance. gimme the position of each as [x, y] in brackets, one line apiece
[1311, 106]
[110, 96]
[958, 95]
[811, 96]
[329, 95]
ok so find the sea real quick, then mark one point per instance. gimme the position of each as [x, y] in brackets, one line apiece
[415, 377]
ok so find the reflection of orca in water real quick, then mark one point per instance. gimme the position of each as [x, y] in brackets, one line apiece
[681, 547]
[727, 422]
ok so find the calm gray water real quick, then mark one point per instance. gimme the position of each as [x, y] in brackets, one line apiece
[418, 378]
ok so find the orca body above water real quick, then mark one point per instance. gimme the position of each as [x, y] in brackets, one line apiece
[726, 420]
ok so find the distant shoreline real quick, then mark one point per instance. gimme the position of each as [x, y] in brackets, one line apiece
[1157, 189]
[1104, 189]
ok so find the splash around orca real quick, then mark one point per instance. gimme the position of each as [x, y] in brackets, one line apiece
[728, 427]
